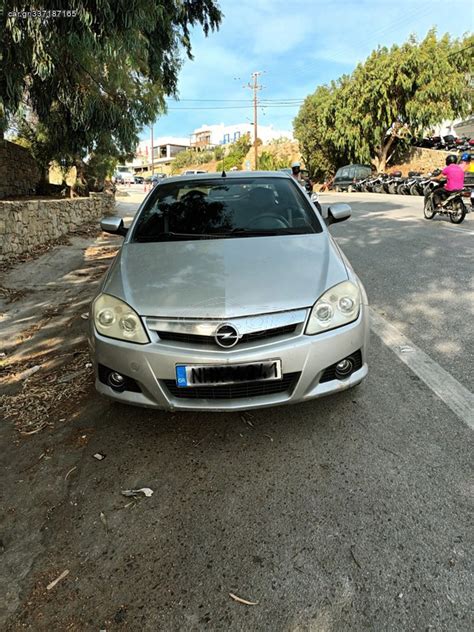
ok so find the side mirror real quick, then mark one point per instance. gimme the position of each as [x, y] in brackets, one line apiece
[338, 213]
[113, 225]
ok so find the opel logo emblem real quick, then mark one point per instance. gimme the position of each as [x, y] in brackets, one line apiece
[227, 336]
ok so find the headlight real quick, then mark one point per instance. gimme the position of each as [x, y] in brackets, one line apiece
[338, 306]
[116, 319]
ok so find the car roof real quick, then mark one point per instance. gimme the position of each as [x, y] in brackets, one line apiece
[231, 175]
[355, 165]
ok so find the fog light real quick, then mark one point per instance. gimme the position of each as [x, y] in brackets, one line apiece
[116, 381]
[344, 368]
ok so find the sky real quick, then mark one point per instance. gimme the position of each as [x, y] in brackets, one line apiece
[297, 46]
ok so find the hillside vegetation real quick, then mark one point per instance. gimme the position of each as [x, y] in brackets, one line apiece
[271, 156]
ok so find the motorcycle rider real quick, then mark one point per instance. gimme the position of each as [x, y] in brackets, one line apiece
[466, 163]
[454, 175]
[296, 172]
[304, 181]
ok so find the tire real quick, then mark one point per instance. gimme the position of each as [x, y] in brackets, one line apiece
[428, 210]
[457, 217]
[414, 189]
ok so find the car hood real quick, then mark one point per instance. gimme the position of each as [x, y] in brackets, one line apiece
[224, 278]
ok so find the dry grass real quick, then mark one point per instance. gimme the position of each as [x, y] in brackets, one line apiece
[49, 395]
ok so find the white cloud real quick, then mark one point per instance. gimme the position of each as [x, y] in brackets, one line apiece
[299, 45]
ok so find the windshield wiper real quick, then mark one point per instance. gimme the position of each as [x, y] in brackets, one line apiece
[247, 232]
[251, 232]
[178, 236]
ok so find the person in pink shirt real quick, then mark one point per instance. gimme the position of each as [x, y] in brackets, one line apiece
[454, 175]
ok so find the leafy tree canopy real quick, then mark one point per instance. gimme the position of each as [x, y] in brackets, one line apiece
[95, 79]
[395, 94]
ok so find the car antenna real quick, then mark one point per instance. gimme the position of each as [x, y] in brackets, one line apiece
[223, 174]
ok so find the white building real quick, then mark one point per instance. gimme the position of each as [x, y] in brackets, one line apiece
[457, 127]
[213, 135]
[165, 149]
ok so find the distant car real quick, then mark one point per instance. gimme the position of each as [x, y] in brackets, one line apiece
[193, 172]
[125, 177]
[346, 177]
[139, 179]
[155, 177]
[228, 293]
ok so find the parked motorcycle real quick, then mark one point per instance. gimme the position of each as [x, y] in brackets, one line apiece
[378, 182]
[421, 183]
[402, 188]
[392, 181]
[410, 186]
[361, 185]
[431, 184]
[453, 206]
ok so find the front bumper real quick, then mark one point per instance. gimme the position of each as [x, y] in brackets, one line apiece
[150, 365]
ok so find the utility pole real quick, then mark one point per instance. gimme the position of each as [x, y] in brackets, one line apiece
[255, 87]
[152, 156]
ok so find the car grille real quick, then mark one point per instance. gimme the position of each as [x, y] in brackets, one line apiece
[329, 374]
[210, 340]
[235, 391]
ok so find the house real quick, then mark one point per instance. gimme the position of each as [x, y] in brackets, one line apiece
[209, 136]
[165, 148]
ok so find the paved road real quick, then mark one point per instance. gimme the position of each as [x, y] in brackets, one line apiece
[348, 513]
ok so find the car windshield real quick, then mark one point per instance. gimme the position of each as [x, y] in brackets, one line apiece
[225, 208]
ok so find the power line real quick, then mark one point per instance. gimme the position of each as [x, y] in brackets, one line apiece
[458, 52]
[281, 100]
[235, 107]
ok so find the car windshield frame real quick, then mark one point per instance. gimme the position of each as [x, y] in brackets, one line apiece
[167, 197]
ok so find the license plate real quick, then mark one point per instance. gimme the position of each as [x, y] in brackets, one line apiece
[210, 375]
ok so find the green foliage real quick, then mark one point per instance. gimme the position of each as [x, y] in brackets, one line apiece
[277, 155]
[183, 159]
[236, 154]
[188, 157]
[268, 161]
[219, 152]
[99, 168]
[394, 94]
[95, 80]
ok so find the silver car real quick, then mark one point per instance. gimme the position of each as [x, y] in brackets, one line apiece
[228, 293]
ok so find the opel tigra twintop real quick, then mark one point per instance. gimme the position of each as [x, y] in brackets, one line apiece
[228, 293]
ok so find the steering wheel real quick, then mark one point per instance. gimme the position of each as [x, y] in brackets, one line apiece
[279, 220]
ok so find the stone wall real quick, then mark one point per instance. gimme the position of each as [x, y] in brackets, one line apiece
[420, 159]
[19, 173]
[27, 224]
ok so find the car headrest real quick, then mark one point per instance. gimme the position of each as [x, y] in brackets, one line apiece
[262, 197]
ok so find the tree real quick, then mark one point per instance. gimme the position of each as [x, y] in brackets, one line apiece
[395, 94]
[236, 153]
[96, 79]
[315, 130]
[268, 161]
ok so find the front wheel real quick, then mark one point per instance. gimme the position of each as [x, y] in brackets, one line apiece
[458, 213]
[428, 209]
